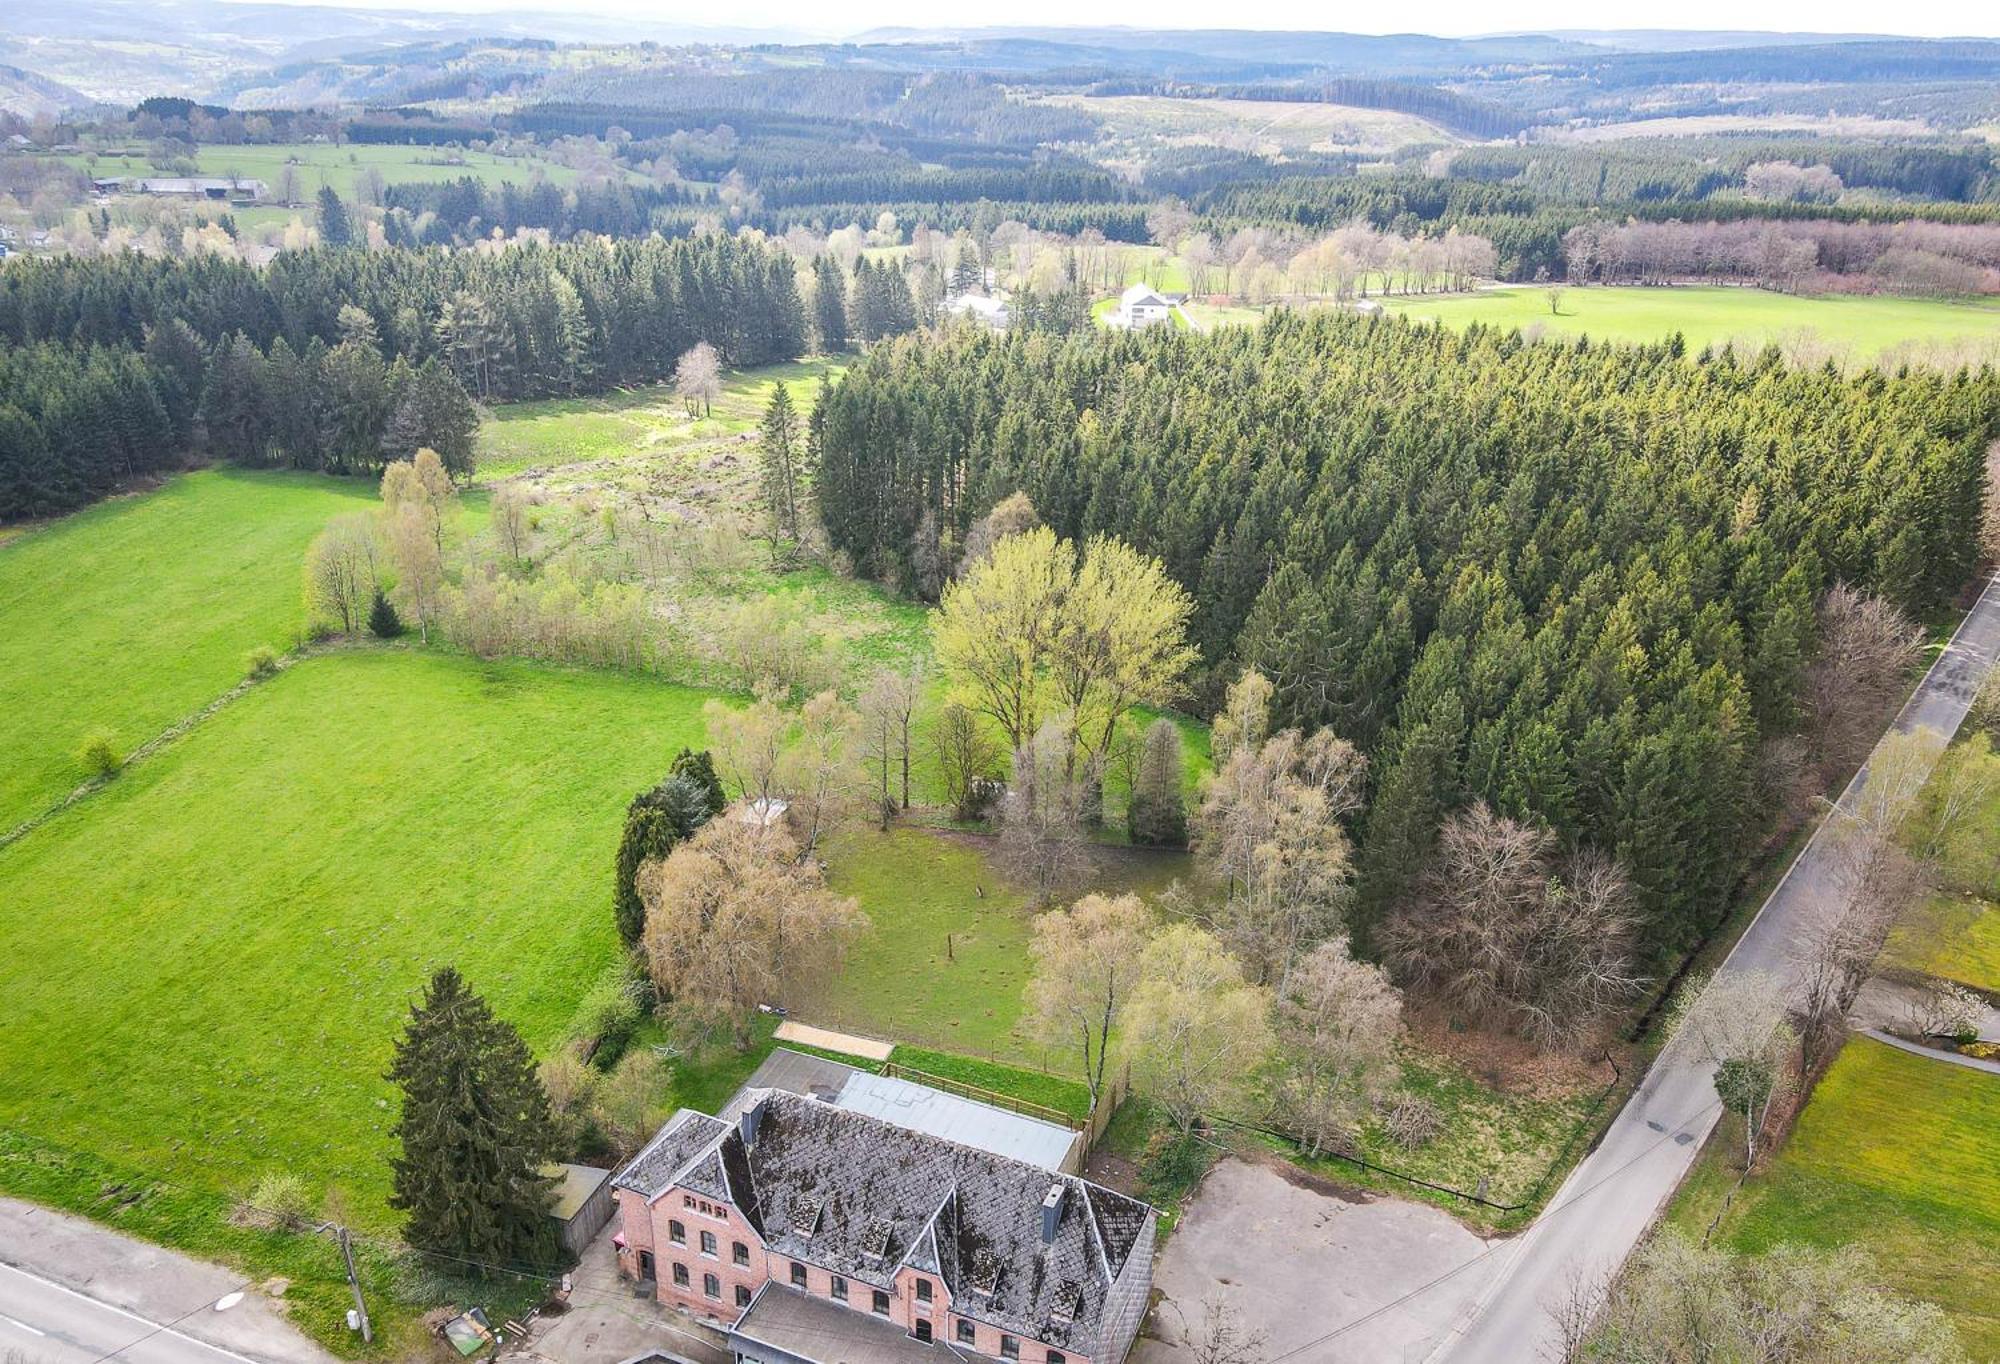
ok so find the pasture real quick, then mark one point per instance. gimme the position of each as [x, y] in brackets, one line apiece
[266, 896]
[133, 613]
[1894, 1153]
[323, 163]
[1860, 327]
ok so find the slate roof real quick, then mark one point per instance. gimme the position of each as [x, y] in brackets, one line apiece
[888, 1196]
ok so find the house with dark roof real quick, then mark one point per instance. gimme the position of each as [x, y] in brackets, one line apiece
[814, 1234]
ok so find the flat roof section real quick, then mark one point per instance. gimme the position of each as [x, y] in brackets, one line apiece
[912, 1106]
[798, 1326]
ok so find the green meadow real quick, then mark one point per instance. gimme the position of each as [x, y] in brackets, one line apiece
[1894, 1153]
[325, 163]
[129, 615]
[1705, 316]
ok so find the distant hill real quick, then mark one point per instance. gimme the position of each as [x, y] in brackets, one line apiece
[1359, 53]
[30, 95]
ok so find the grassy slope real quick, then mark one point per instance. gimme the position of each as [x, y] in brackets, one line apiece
[266, 896]
[131, 614]
[1708, 315]
[1894, 1153]
[1955, 932]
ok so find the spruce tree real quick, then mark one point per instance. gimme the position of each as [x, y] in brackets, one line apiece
[829, 305]
[335, 228]
[779, 435]
[655, 823]
[475, 1133]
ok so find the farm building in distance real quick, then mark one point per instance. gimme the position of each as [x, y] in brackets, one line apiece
[232, 189]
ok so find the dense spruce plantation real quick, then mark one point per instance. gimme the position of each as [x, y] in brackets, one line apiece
[337, 359]
[1575, 581]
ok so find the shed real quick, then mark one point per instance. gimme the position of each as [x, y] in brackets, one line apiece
[583, 1203]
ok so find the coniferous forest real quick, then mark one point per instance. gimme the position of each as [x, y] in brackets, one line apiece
[340, 359]
[1575, 581]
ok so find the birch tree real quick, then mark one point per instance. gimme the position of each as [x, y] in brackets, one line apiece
[1086, 965]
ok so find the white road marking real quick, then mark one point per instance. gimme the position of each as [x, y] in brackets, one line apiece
[22, 1325]
[153, 1326]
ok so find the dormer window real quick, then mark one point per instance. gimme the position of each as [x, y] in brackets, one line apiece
[805, 1216]
[985, 1273]
[875, 1242]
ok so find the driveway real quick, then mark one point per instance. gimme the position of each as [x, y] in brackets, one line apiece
[1610, 1200]
[1299, 1261]
[607, 1324]
[72, 1292]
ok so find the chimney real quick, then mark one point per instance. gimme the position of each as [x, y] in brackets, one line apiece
[752, 1118]
[1051, 1212]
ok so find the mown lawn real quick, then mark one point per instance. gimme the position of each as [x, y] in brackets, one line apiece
[1955, 932]
[129, 615]
[1708, 315]
[1895, 1153]
[945, 959]
[209, 960]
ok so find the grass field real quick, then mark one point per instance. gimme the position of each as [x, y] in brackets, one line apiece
[636, 428]
[1267, 127]
[946, 956]
[341, 167]
[266, 896]
[1864, 325]
[1955, 931]
[1894, 1153]
[129, 615]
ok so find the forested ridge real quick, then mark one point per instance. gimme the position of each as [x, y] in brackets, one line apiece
[338, 359]
[1575, 581]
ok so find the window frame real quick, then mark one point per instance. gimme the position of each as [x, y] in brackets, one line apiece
[1010, 1346]
[677, 1232]
[711, 1287]
[879, 1305]
[711, 1248]
[681, 1275]
[838, 1288]
[968, 1334]
[739, 1253]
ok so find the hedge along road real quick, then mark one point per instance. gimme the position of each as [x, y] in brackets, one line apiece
[1610, 1200]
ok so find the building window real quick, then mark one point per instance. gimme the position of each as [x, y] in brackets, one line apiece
[798, 1275]
[677, 1233]
[1056, 1357]
[881, 1303]
[923, 1290]
[1010, 1348]
[840, 1288]
[924, 1330]
[708, 1244]
[967, 1333]
[681, 1275]
[711, 1285]
[742, 1296]
[739, 1252]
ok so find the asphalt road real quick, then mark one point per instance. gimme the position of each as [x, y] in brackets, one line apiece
[1606, 1205]
[49, 1324]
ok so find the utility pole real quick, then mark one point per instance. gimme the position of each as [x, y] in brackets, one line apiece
[353, 1281]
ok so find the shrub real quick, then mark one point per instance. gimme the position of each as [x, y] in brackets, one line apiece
[100, 756]
[1172, 1165]
[283, 1199]
[1412, 1123]
[383, 622]
[261, 661]
[609, 1014]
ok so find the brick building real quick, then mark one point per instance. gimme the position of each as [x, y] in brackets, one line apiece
[809, 1232]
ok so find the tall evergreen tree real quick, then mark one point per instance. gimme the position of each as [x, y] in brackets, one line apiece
[829, 305]
[655, 823]
[779, 434]
[475, 1131]
[335, 228]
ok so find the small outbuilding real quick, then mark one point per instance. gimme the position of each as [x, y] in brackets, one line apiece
[583, 1203]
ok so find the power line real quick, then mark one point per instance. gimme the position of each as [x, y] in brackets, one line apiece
[168, 1326]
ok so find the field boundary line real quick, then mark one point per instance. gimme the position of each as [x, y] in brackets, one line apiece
[164, 739]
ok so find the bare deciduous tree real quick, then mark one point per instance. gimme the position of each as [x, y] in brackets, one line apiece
[1866, 650]
[1736, 1023]
[1220, 1337]
[1504, 927]
[1338, 1025]
[735, 917]
[1682, 1300]
[817, 771]
[510, 520]
[413, 550]
[888, 714]
[748, 742]
[698, 378]
[1010, 516]
[1573, 1312]
[1041, 816]
[1086, 964]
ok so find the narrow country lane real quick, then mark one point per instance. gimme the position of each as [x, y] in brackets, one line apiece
[1607, 1204]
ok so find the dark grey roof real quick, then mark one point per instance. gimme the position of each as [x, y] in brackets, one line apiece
[818, 1328]
[888, 1195]
[687, 1135]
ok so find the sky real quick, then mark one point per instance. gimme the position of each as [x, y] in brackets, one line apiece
[1453, 18]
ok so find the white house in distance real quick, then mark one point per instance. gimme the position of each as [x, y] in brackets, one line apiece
[1142, 306]
[979, 308]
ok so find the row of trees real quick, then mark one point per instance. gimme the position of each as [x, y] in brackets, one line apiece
[1913, 257]
[1577, 583]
